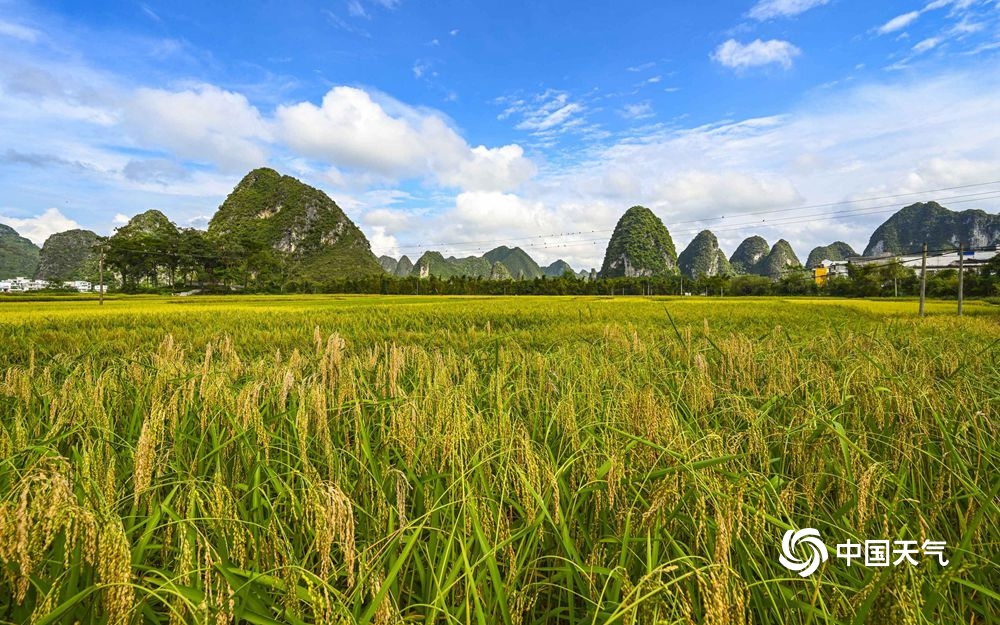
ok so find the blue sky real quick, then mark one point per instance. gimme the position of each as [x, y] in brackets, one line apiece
[460, 126]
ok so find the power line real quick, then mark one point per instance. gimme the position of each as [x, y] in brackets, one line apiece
[785, 221]
[706, 219]
[478, 246]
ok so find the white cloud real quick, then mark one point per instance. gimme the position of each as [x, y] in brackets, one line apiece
[381, 242]
[17, 31]
[642, 67]
[899, 22]
[545, 113]
[927, 44]
[203, 123]
[638, 110]
[756, 53]
[770, 9]
[858, 142]
[351, 130]
[498, 168]
[356, 9]
[38, 228]
[420, 68]
[150, 13]
[453, 32]
[499, 211]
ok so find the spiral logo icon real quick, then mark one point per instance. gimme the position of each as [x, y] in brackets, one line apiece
[809, 539]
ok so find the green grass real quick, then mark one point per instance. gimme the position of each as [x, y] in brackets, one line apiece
[493, 460]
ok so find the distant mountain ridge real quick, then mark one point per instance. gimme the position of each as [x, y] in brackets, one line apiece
[297, 230]
[518, 263]
[18, 256]
[69, 255]
[838, 250]
[514, 263]
[929, 222]
[557, 269]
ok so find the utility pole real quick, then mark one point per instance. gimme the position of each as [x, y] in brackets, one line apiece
[100, 271]
[923, 279]
[961, 276]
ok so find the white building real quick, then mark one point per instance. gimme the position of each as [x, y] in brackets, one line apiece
[835, 267]
[21, 284]
[81, 286]
[973, 260]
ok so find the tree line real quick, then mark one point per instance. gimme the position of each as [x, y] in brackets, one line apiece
[151, 254]
[861, 281]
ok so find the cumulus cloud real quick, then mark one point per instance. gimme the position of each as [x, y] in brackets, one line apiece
[499, 211]
[738, 55]
[382, 243]
[40, 227]
[351, 130]
[204, 123]
[771, 9]
[863, 142]
[498, 168]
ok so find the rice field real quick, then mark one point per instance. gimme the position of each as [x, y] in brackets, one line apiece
[498, 460]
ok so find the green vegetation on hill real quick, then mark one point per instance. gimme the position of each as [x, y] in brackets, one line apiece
[516, 260]
[388, 263]
[557, 269]
[146, 248]
[907, 230]
[639, 247]
[289, 230]
[750, 252]
[702, 257]
[18, 256]
[435, 264]
[499, 271]
[70, 255]
[404, 267]
[837, 250]
[779, 260]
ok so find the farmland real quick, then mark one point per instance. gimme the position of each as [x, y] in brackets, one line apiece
[493, 460]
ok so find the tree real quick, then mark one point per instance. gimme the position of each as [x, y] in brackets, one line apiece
[144, 249]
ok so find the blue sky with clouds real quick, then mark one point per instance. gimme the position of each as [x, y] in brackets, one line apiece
[461, 126]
